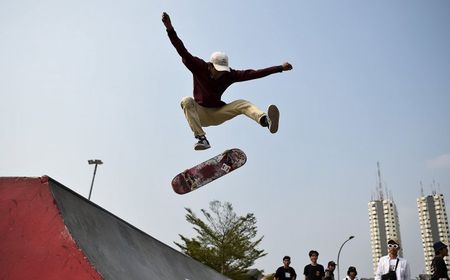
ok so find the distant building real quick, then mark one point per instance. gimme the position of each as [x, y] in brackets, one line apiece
[433, 225]
[384, 222]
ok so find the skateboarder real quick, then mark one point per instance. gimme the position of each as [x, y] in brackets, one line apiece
[211, 79]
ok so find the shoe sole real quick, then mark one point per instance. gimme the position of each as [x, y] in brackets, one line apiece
[274, 115]
[201, 148]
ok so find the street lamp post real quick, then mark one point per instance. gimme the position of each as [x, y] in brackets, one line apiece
[351, 237]
[96, 162]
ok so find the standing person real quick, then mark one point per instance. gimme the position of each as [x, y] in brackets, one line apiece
[285, 271]
[391, 266]
[438, 265]
[351, 273]
[329, 272]
[211, 79]
[313, 271]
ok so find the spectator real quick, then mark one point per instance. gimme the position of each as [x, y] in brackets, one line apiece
[313, 271]
[285, 272]
[329, 272]
[438, 265]
[351, 273]
[391, 266]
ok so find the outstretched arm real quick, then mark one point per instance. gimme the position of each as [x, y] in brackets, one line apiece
[245, 75]
[190, 61]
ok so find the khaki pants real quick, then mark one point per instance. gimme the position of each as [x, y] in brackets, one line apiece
[199, 116]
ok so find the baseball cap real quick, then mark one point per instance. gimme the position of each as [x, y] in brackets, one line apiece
[438, 246]
[331, 263]
[220, 61]
[393, 241]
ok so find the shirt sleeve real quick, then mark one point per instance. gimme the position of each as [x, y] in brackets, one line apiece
[191, 62]
[379, 270]
[250, 74]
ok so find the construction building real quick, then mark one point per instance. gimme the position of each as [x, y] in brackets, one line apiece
[433, 225]
[384, 222]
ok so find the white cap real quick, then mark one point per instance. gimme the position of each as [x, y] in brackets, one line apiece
[220, 61]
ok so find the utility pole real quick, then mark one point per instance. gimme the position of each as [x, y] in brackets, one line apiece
[339, 254]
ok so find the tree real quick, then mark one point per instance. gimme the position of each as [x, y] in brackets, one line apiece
[269, 276]
[224, 241]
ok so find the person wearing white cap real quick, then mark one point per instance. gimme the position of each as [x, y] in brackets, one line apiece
[391, 266]
[211, 79]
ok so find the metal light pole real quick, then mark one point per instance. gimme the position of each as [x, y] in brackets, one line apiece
[351, 237]
[96, 162]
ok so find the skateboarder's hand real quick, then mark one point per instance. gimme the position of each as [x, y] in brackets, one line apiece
[287, 66]
[166, 21]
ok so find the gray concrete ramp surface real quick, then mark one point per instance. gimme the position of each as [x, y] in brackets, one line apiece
[117, 249]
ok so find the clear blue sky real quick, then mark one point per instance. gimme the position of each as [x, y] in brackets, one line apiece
[371, 82]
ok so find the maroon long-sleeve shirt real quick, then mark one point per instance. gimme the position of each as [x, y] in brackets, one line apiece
[207, 90]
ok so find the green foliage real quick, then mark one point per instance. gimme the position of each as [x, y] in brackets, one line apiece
[224, 241]
[269, 276]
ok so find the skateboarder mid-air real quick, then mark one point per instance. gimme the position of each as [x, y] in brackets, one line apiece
[211, 79]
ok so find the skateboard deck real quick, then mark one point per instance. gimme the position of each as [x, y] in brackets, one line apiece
[208, 171]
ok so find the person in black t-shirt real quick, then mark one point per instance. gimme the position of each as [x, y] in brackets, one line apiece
[314, 271]
[285, 271]
[438, 265]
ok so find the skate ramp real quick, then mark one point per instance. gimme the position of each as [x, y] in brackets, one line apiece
[48, 232]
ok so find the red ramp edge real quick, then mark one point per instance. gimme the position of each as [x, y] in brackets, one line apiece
[34, 241]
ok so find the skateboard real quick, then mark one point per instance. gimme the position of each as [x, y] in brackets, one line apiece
[208, 171]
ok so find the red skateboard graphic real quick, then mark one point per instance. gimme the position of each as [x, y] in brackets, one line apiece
[208, 171]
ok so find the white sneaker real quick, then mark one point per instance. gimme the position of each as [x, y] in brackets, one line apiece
[202, 144]
[273, 116]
